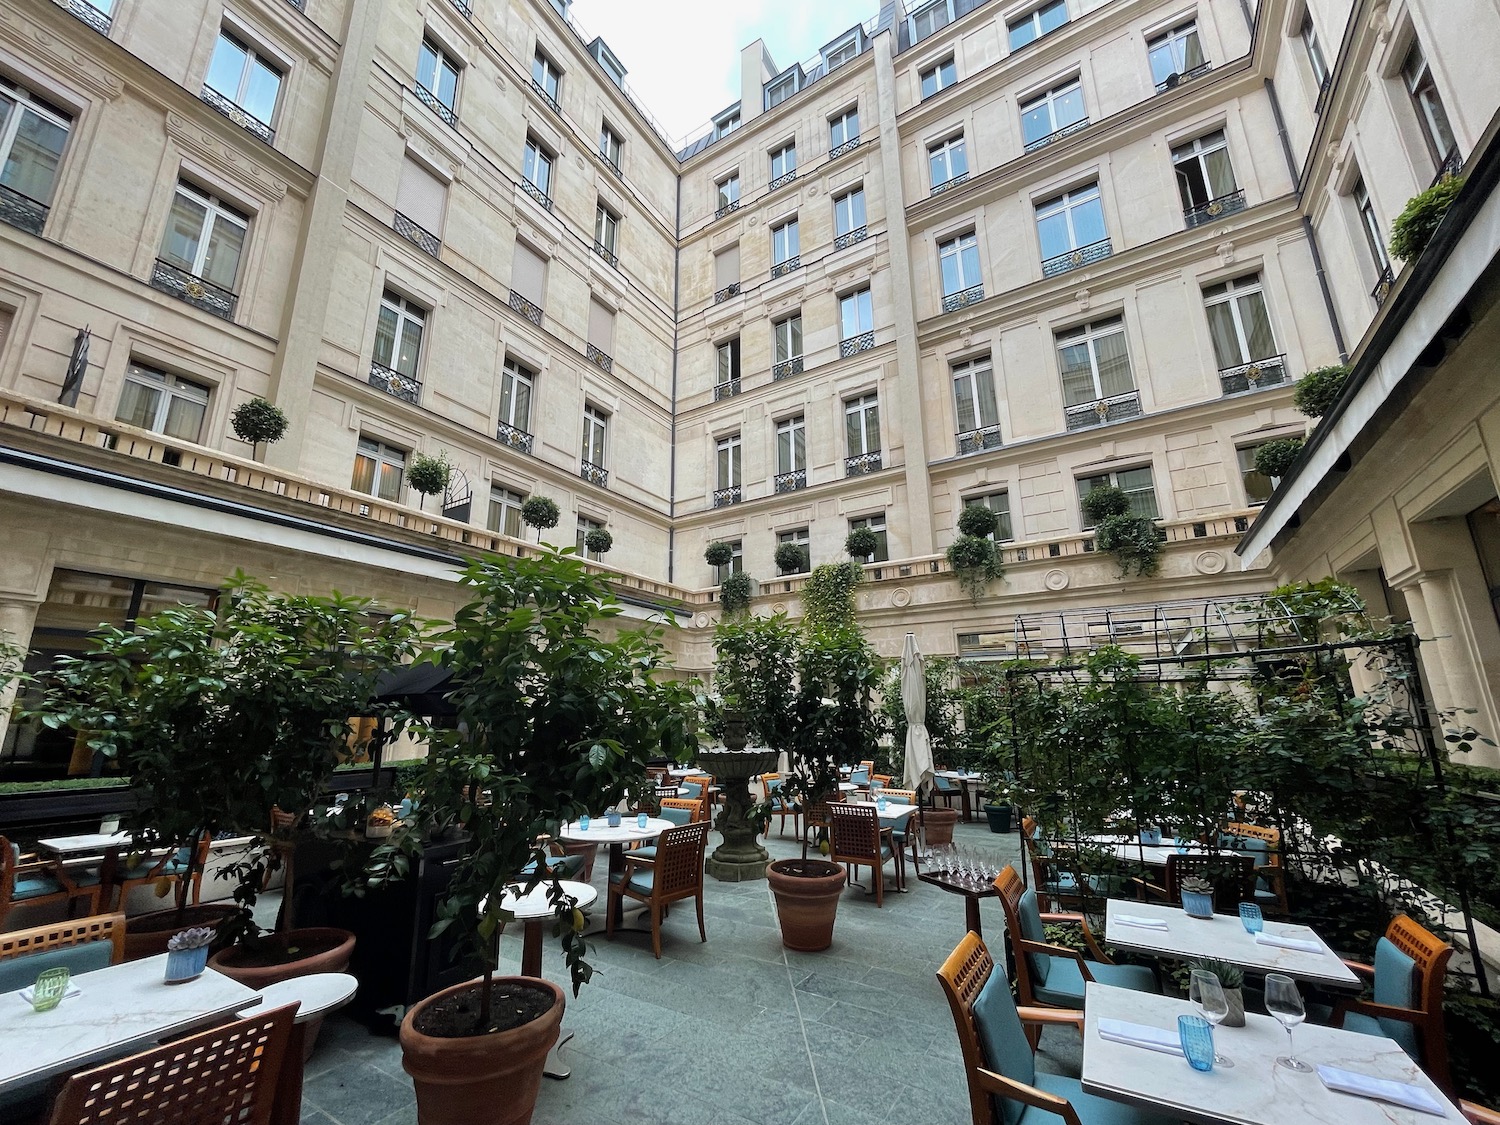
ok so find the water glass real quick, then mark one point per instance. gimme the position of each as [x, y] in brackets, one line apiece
[640, 820]
[583, 824]
[1197, 1036]
[880, 803]
[50, 987]
[1251, 918]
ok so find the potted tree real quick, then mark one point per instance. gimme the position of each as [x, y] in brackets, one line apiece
[791, 558]
[429, 476]
[1134, 541]
[861, 543]
[540, 512]
[598, 541]
[257, 422]
[973, 556]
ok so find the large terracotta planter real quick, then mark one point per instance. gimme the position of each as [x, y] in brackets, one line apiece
[146, 935]
[489, 1079]
[937, 826]
[331, 960]
[807, 900]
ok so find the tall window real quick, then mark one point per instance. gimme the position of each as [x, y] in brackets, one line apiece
[1314, 49]
[1051, 111]
[1070, 221]
[516, 385]
[1175, 52]
[786, 339]
[727, 461]
[855, 314]
[1032, 26]
[862, 425]
[545, 75]
[1428, 103]
[843, 128]
[784, 160]
[32, 135]
[398, 334]
[1094, 361]
[947, 160]
[1203, 170]
[849, 211]
[162, 403]
[378, 469]
[729, 191]
[1135, 483]
[611, 147]
[877, 525]
[798, 536]
[958, 259]
[607, 232]
[1258, 486]
[580, 537]
[937, 77]
[249, 81]
[536, 166]
[930, 18]
[437, 74]
[785, 244]
[735, 565]
[999, 503]
[1370, 225]
[1238, 323]
[595, 426]
[729, 361]
[778, 91]
[791, 445]
[505, 511]
[974, 398]
[204, 236]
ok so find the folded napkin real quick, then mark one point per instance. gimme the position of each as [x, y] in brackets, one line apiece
[1381, 1089]
[1141, 1035]
[25, 993]
[1282, 942]
[1143, 923]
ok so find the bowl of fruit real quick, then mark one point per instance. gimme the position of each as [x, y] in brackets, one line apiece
[381, 823]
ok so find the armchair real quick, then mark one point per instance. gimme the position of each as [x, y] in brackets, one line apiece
[32, 882]
[676, 873]
[81, 946]
[1264, 844]
[780, 805]
[173, 867]
[857, 840]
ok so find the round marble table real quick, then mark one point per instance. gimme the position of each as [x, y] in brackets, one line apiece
[534, 909]
[315, 996]
[628, 831]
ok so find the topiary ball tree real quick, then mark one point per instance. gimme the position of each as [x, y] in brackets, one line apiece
[1319, 389]
[540, 512]
[428, 475]
[1276, 458]
[257, 421]
[598, 541]
[977, 520]
[735, 592]
[1419, 219]
[861, 543]
[718, 554]
[791, 558]
[1104, 502]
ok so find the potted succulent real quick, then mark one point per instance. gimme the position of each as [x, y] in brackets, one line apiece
[1197, 897]
[187, 954]
[1231, 979]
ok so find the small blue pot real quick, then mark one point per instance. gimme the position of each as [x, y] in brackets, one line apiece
[1196, 905]
[186, 964]
[612, 819]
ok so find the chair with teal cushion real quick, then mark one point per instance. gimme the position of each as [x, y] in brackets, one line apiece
[81, 945]
[861, 778]
[172, 866]
[1005, 1088]
[780, 804]
[946, 790]
[856, 839]
[676, 873]
[35, 882]
[676, 814]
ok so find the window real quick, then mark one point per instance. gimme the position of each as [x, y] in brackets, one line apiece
[505, 511]
[877, 525]
[727, 453]
[785, 244]
[784, 161]
[1238, 323]
[1258, 486]
[791, 445]
[595, 426]
[930, 19]
[1032, 26]
[1203, 170]
[1370, 225]
[1135, 483]
[244, 78]
[1174, 52]
[947, 161]
[735, 565]
[611, 147]
[855, 315]
[938, 77]
[727, 122]
[1094, 361]
[729, 193]
[999, 503]
[398, 334]
[849, 211]
[799, 537]
[1071, 221]
[1051, 112]
[601, 337]
[1429, 105]
[537, 166]
[1314, 49]
[842, 50]
[844, 128]
[726, 273]
[378, 469]
[958, 259]
[862, 425]
[204, 236]
[974, 400]
[782, 88]
[162, 403]
[32, 135]
[528, 282]
[607, 233]
[729, 362]
[786, 339]
[545, 76]
[516, 385]
[586, 525]
[438, 74]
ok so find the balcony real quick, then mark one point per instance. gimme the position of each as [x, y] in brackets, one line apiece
[300, 5]
[838, 150]
[395, 384]
[465, 7]
[432, 102]
[792, 481]
[1175, 80]
[194, 290]
[730, 290]
[950, 182]
[782, 180]
[21, 211]
[607, 254]
[83, 10]
[416, 234]
[541, 91]
[506, 434]
[1074, 259]
[786, 369]
[244, 120]
[860, 464]
[594, 474]
[977, 441]
[1103, 411]
[1215, 208]
[603, 360]
[1382, 288]
[781, 269]
[613, 167]
[530, 311]
[536, 193]
[952, 302]
[1451, 165]
[851, 238]
[726, 208]
[856, 344]
[1253, 376]
[723, 497]
[727, 389]
[1056, 135]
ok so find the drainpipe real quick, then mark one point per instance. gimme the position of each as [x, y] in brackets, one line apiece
[676, 321]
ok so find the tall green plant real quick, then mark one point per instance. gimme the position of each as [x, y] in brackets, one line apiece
[753, 674]
[828, 596]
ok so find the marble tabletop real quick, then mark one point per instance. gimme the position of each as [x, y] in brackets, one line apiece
[119, 1009]
[87, 843]
[535, 903]
[1254, 1091]
[1224, 938]
[601, 833]
[1152, 855]
[315, 995]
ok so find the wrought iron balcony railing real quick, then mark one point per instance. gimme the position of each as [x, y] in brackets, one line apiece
[613, 167]
[1115, 408]
[1323, 88]
[723, 497]
[962, 299]
[465, 7]
[782, 180]
[725, 208]
[22, 211]
[510, 435]
[1174, 80]
[838, 150]
[1073, 259]
[83, 10]
[246, 121]
[855, 344]
[530, 311]
[193, 289]
[546, 96]
[950, 182]
[851, 238]
[536, 193]
[862, 463]
[434, 103]
[1226, 204]
[727, 389]
[976, 441]
[607, 254]
[786, 368]
[792, 481]
[603, 359]
[730, 290]
[1253, 376]
[1382, 288]
[1056, 135]
[1451, 165]
[594, 474]
[395, 384]
[781, 269]
[417, 234]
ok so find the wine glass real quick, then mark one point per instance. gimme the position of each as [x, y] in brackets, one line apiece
[1207, 995]
[1285, 1003]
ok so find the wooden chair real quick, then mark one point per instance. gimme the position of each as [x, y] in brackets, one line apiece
[1478, 1114]
[29, 881]
[857, 840]
[906, 836]
[1270, 875]
[679, 811]
[676, 873]
[1407, 996]
[815, 819]
[227, 1073]
[707, 783]
[780, 805]
[1050, 875]
[881, 780]
[946, 790]
[82, 946]
[173, 867]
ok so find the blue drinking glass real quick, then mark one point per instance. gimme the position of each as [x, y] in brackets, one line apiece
[1197, 1036]
[640, 819]
[880, 804]
[1251, 918]
[583, 824]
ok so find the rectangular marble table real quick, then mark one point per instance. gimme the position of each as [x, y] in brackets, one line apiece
[1255, 1091]
[1151, 855]
[1224, 938]
[118, 1010]
[89, 847]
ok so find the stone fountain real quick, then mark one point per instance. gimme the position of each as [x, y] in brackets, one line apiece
[739, 858]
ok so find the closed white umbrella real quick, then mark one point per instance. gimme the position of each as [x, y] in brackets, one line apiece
[914, 699]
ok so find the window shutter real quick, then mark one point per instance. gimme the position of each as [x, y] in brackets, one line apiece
[421, 197]
[528, 273]
[726, 267]
[601, 328]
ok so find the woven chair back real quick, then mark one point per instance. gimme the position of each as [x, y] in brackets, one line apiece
[60, 935]
[855, 833]
[679, 860]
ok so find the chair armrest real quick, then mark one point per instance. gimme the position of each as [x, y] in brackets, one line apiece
[1056, 951]
[1478, 1114]
[1374, 1010]
[1088, 933]
[1050, 1015]
[1360, 967]
[1146, 888]
[998, 1084]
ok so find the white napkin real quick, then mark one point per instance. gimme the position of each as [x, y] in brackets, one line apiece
[1282, 942]
[1141, 1035]
[1143, 923]
[25, 993]
[1381, 1089]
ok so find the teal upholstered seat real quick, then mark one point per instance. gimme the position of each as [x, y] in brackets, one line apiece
[677, 817]
[640, 881]
[18, 972]
[564, 867]
[1396, 986]
[860, 777]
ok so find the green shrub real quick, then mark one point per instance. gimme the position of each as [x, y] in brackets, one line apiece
[1414, 227]
[828, 598]
[1105, 501]
[1276, 458]
[861, 543]
[257, 421]
[718, 554]
[975, 562]
[1318, 390]
[598, 540]
[735, 592]
[978, 519]
[540, 512]
[428, 475]
[791, 558]
[1134, 541]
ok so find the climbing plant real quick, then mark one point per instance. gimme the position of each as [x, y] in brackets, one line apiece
[1134, 541]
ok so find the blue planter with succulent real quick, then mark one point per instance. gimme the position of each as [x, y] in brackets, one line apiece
[1197, 898]
[187, 954]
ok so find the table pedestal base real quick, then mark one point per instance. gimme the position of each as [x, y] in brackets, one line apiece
[554, 1067]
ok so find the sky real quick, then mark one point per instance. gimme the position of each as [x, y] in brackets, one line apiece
[682, 56]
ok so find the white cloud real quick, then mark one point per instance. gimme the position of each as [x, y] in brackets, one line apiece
[682, 57]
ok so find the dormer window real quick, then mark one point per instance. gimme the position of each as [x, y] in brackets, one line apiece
[727, 122]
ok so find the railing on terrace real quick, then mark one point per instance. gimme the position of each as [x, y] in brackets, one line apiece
[1074, 259]
[792, 481]
[862, 463]
[1102, 411]
[1253, 376]
[1056, 135]
[607, 254]
[513, 436]
[723, 497]
[782, 180]
[726, 209]
[417, 234]
[950, 182]
[465, 7]
[434, 103]
[1174, 80]
[781, 269]
[594, 474]
[188, 287]
[855, 344]
[1451, 165]
[851, 238]
[727, 389]
[787, 368]
[83, 10]
[249, 122]
[1214, 209]
[1382, 288]
[541, 91]
[976, 441]
[964, 298]
[394, 383]
[730, 290]
[22, 211]
[601, 358]
[536, 193]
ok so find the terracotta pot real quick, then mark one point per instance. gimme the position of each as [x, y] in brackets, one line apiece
[938, 826]
[480, 1078]
[806, 904]
[333, 960]
[146, 935]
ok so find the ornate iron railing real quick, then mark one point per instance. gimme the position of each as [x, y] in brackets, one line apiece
[782, 180]
[536, 193]
[1055, 135]
[594, 474]
[1185, 76]
[726, 208]
[510, 435]
[838, 150]
[530, 311]
[1451, 165]
[417, 234]
[787, 368]
[792, 481]
[22, 211]
[1226, 204]
[950, 182]
[730, 290]
[607, 254]
[1382, 288]
[465, 7]
[781, 269]
[851, 238]
[976, 441]
[723, 497]
[83, 10]
[434, 103]
[1101, 411]
[1252, 376]
[611, 165]
[855, 344]
[246, 121]
[602, 358]
[727, 389]
[862, 463]
[546, 96]
[1073, 259]
[194, 290]
[962, 299]
[395, 384]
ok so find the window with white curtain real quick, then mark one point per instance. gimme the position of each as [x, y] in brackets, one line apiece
[862, 425]
[974, 395]
[784, 160]
[849, 211]
[877, 525]
[1070, 221]
[735, 565]
[1038, 22]
[797, 536]
[438, 74]
[843, 128]
[505, 511]
[1203, 169]
[163, 403]
[1095, 362]
[938, 77]
[785, 243]
[958, 262]
[204, 236]
[791, 445]
[729, 190]
[728, 353]
[999, 503]
[536, 166]
[786, 337]
[595, 427]
[1238, 323]
[580, 537]
[855, 315]
[398, 334]
[378, 469]
[517, 382]
[727, 460]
